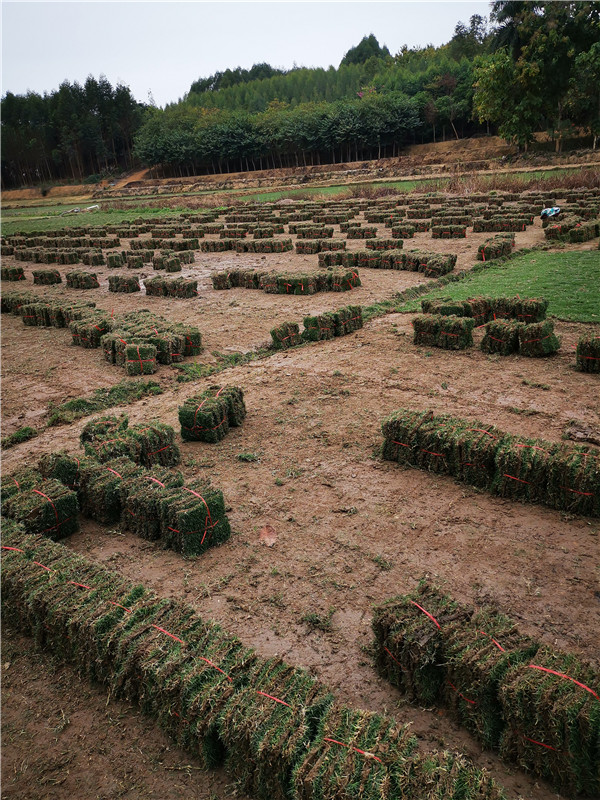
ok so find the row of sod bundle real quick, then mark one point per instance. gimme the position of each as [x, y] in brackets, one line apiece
[501, 224]
[263, 246]
[287, 283]
[448, 231]
[485, 309]
[537, 706]
[110, 437]
[318, 327]
[174, 287]
[150, 501]
[46, 277]
[279, 732]
[565, 477]
[310, 246]
[207, 417]
[431, 264]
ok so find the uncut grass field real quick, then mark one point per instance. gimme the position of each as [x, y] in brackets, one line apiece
[570, 281]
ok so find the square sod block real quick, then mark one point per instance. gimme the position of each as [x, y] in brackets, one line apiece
[194, 519]
[140, 359]
[204, 418]
[50, 509]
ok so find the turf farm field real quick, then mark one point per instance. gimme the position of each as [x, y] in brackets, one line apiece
[301, 500]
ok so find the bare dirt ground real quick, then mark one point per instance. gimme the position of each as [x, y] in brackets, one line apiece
[351, 529]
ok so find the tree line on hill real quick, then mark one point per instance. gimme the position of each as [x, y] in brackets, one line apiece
[535, 67]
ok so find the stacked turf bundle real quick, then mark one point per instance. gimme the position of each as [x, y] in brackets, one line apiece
[41, 507]
[427, 262]
[574, 481]
[331, 259]
[384, 244]
[207, 417]
[100, 487]
[410, 644]
[361, 233]
[538, 339]
[501, 224]
[140, 358]
[111, 437]
[583, 232]
[478, 654]
[308, 246]
[46, 277]
[501, 336]
[123, 283]
[141, 498]
[193, 518]
[356, 754]
[114, 260]
[588, 353]
[263, 246]
[34, 314]
[440, 330]
[525, 309]
[172, 264]
[12, 274]
[89, 329]
[331, 244]
[496, 247]
[178, 287]
[403, 231]
[268, 727]
[552, 713]
[319, 327]
[447, 231]
[451, 218]
[216, 245]
[79, 279]
[93, 258]
[347, 320]
[286, 335]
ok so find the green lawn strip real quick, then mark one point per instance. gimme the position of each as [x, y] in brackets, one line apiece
[570, 282]
[21, 435]
[120, 394]
[37, 222]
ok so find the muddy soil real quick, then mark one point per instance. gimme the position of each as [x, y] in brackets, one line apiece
[351, 529]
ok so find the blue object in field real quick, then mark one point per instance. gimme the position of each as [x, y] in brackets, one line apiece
[548, 213]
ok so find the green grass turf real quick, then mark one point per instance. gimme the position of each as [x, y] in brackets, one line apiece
[570, 281]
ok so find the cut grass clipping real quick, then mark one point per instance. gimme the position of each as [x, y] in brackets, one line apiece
[539, 707]
[23, 434]
[565, 477]
[121, 393]
[278, 731]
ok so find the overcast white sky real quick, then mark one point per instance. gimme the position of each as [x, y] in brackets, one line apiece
[162, 47]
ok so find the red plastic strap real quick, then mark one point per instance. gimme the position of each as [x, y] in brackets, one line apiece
[215, 667]
[446, 333]
[45, 496]
[16, 482]
[516, 479]
[110, 469]
[162, 630]
[356, 749]
[498, 645]
[43, 566]
[527, 341]
[118, 605]
[541, 744]
[431, 617]
[401, 444]
[150, 478]
[82, 585]
[429, 452]
[574, 491]
[533, 447]
[481, 430]
[166, 447]
[566, 677]
[277, 700]
[472, 702]
[391, 655]
[16, 549]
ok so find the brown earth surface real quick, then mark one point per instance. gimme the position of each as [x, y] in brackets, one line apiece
[351, 530]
